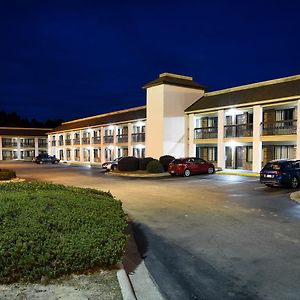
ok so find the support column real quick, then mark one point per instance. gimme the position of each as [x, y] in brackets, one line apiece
[191, 136]
[19, 148]
[257, 144]
[1, 154]
[221, 147]
[36, 146]
[130, 129]
[298, 131]
[115, 152]
[102, 153]
[81, 147]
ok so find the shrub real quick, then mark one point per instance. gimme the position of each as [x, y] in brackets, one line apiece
[129, 163]
[154, 166]
[143, 162]
[165, 161]
[48, 230]
[6, 174]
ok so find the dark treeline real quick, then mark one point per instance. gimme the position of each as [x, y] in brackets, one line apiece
[14, 120]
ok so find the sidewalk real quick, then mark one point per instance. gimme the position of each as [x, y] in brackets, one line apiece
[237, 172]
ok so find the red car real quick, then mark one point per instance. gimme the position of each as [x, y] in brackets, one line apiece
[190, 165]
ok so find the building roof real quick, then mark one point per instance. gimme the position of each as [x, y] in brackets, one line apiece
[126, 115]
[257, 92]
[177, 80]
[16, 131]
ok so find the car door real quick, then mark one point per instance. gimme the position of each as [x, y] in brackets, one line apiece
[203, 166]
[192, 166]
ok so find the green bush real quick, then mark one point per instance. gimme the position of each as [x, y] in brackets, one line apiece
[129, 163]
[143, 162]
[154, 166]
[165, 160]
[48, 230]
[6, 174]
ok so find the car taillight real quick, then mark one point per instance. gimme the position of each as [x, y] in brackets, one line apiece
[278, 173]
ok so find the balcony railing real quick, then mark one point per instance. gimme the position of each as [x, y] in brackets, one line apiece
[53, 143]
[27, 145]
[122, 138]
[286, 127]
[138, 137]
[108, 139]
[42, 144]
[86, 140]
[76, 141]
[60, 142]
[96, 140]
[68, 142]
[206, 133]
[238, 130]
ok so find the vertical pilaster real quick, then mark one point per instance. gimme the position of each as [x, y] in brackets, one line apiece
[257, 144]
[102, 154]
[36, 146]
[191, 137]
[130, 129]
[298, 130]
[81, 146]
[221, 147]
[114, 150]
[19, 148]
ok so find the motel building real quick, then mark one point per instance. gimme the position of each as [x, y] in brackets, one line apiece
[236, 128]
[22, 143]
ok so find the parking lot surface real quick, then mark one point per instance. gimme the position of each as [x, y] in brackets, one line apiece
[206, 236]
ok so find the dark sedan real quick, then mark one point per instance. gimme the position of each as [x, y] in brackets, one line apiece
[46, 159]
[284, 172]
[190, 165]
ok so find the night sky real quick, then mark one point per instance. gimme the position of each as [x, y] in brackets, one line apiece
[71, 59]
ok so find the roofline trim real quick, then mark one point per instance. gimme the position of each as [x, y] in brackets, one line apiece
[200, 87]
[253, 85]
[296, 97]
[106, 114]
[96, 126]
[25, 128]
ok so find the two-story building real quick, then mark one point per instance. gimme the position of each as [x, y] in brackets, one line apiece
[241, 127]
[22, 143]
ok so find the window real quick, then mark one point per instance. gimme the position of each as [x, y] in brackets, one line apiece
[281, 152]
[249, 153]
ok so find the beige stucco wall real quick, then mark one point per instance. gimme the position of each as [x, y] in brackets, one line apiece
[166, 124]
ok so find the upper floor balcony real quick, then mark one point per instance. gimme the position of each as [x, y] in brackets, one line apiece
[138, 137]
[27, 144]
[76, 141]
[206, 133]
[108, 139]
[96, 140]
[86, 140]
[286, 127]
[238, 130]
[122, 138]
[43, 144]
[68, 142]
[60, 142]
[53, 143]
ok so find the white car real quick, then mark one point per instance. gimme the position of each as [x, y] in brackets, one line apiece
[111, 165]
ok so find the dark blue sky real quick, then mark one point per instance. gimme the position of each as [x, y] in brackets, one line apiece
[70, 59]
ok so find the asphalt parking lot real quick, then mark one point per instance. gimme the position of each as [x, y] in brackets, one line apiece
[206, 236]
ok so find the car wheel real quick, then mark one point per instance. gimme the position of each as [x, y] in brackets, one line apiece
[294, 182]
[187, 173]
[211, 170]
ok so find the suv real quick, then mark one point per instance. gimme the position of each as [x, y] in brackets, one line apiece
[284, 172]
[45, 158]
[190, 165]
[111, 165]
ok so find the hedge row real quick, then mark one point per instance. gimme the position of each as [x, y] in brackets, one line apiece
[48, 230]
[6, 174]
[150, 164]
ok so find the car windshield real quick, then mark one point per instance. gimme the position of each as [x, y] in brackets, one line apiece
[273, 166]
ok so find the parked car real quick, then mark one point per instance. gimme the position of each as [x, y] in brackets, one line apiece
[284, 172]
[190, 165]
[45, 158]
[111, 165]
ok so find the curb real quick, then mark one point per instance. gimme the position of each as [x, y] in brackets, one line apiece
[237, 174]
[159, 175]
[125, 285]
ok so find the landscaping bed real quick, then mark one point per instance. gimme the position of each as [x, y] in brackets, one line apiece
[49, 230]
